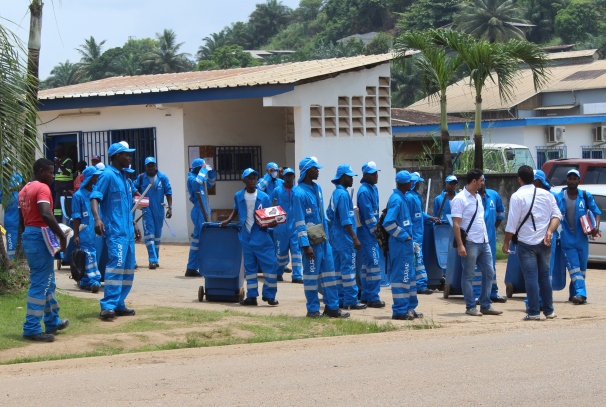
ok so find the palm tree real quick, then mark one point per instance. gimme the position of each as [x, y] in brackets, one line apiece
[211, 43]
[492, 20]
[485, 61]
[64, 74]
[90, 52]
[166, 57]
[18, 112]
[437, 69]
[267, 19]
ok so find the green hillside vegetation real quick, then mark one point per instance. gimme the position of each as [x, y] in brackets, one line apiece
[314, 28]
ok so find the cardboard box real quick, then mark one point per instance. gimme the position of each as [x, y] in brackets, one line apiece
[143, 203]
[588, 223]
[264, 217]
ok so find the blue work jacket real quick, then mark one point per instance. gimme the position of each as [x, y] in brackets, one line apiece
[267, 184]
[81, 210]
[285, 198]
[308, 208]
[494, 210]
[581, 209]
[193, 187]
[368, 209]
[340, 213]
[437, 203]
[415, 207]
[398, 222]
[11, 211]
[156, 193]
[257, 235]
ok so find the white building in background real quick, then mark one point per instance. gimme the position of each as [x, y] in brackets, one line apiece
[337, 110]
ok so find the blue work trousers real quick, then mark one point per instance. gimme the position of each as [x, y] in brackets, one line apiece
[259, 254]
[285, 243]
[370, 272]
[344, 256]
[11, 241]
[403, 277]
[478, 254]
[420, 273]
[92, 275]
[119, 273]
[320, 271]
[41, 300]
[576, 262]
[152, 233]
[534, 262]
[198, 220]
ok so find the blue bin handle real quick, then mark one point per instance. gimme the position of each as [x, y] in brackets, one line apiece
[216, 225]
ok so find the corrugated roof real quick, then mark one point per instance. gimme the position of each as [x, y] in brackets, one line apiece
[461, 96]
[559, 107]
[573, 54]
[410, 117]
[289, 73]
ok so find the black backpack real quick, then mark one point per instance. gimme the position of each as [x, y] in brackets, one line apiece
[381, 234]
[77, 264]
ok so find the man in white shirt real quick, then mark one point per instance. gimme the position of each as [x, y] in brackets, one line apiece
[534, 223]
[467, 214]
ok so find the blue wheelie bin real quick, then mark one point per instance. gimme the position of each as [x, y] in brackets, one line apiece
[437, 241]
[221, 263]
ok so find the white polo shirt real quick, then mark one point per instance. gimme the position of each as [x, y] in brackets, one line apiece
[544, 209]
[464, 206]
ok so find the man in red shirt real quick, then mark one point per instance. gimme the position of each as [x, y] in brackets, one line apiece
[35, 203]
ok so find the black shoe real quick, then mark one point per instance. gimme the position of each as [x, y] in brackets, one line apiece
[249, 301]
[107, 314]
[64, 324]
[192, 273]
[152, 265]
[358, 306]
[335, 314]
[578, 300]
[499, 299]
[157, 264]
[416, 314]
[314, 315]
[287, 270]
[404, 317]
[41, 337]
[280, 278]
[94, 288]
[298, 281]
[364, 302]
[270, 301]
[426, 291]
[376, 304]
[136, 266]
[127, 312]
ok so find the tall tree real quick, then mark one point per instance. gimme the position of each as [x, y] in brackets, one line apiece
[499, 63]
[63, 74]
[578, 20]
[211, 43]
[437, 68]
[492, 20]
[90, 52]
[426, 14]
[267, 19]
[167, 57]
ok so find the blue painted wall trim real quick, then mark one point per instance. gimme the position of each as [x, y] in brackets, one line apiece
[177, 96]
[531, 121]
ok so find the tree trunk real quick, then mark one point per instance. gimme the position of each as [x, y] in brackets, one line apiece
[478, 158]
[447, 162]
[33, 62]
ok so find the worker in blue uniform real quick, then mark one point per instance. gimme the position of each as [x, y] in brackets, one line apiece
[199, 180]
[442, 201]
[398, 223]
[574, 203]
[11, 214]
[419, 217]
[285, 235]
[270, 180]
[344, 241]
[257, 245]
[113, 199]
[153, 215]
[494, 214]
[318, 263]
[85, 237]
[368, 210]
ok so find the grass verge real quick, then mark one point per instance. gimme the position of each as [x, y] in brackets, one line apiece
[165, 328]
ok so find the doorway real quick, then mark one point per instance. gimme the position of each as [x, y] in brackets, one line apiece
[70, 143]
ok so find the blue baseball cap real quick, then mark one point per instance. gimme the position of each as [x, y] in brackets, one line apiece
[307, 163]
[540, 175]
[272, 166]
[249, 171]
[150, 160]
[451, 178]
[88, 173]
[129, 170]
[198, 162]
[343, 169]
[289, 171]
[370, 168]
[403, 177]
[416, 177]
[117, 148]
[575, 172]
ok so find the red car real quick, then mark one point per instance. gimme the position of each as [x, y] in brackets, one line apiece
[593, 171]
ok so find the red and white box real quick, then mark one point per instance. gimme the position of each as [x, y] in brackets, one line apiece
[143, 203]
[588, 223]
[266, 216]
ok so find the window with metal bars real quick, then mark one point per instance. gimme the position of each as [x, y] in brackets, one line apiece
[546, 153]
[232, 161]
[592, 152]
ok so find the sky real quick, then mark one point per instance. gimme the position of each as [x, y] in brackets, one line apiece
[66, 23]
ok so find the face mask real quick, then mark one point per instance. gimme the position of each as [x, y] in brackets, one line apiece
[274, 174]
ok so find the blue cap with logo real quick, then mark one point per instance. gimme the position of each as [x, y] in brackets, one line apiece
[370, 168]
[88, 173]
[403, 177]
[451, 178]
[249, 171]
[575, 172]
[343, 169]
[540, 175]
[198, 162]
[289, 171]
[150, 160]
[307, 163]
[117, 148]
[416, 177]
[272, 166]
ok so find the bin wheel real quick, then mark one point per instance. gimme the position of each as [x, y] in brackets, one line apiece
[59, 261]
[241, 294]
[509, 290]
[201, 293]
[446, 291]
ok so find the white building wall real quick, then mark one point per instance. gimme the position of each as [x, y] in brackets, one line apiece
[333, 151]
[169, 143]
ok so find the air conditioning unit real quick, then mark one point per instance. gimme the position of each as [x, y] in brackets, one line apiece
[599, 134]
[555, 134]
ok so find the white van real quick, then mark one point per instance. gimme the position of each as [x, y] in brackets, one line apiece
[498, 157]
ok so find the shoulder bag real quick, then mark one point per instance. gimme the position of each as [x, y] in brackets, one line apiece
[514, 238]
[316, 233]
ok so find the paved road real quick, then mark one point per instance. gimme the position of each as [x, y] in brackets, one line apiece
[549, 363]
